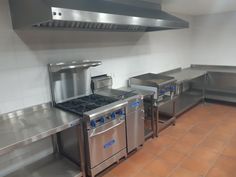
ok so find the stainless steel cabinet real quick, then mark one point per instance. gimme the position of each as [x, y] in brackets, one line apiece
[135, 129]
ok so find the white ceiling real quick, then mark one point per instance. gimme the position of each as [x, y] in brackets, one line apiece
[198, 7]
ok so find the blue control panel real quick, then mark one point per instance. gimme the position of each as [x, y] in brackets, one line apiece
[107, 118]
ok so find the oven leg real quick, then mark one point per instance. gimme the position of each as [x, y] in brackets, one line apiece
[174, 112]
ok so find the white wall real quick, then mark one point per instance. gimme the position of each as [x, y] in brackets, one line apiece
[214, 39]
[24, 56]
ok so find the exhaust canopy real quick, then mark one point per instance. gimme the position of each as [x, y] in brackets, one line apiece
[93, 15]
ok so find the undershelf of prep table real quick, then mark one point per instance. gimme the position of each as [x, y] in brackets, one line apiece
[51, 166]
[165, 121]
[183, 102]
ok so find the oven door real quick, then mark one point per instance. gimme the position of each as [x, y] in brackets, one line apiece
[105, 141]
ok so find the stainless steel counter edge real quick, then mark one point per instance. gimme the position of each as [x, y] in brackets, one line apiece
[24, 111]
[214, 68]
[181, 76]
[39, 115]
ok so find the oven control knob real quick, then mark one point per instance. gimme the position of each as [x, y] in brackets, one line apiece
[120, 112]
[93, 123]
[113, 115]
[102, 120]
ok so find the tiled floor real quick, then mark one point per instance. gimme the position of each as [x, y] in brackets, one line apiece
[202, 144]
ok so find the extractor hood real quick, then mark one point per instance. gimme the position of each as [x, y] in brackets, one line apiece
[92, 15]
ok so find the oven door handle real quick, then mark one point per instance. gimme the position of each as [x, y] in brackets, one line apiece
[104, 131]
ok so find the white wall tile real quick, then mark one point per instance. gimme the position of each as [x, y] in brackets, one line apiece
[214, 39]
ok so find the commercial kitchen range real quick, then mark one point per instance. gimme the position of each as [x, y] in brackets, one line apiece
[44, 140]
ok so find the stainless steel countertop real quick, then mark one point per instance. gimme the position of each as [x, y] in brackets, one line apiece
[186, 74]
[195, 71]
[29, 125]
[214, 68]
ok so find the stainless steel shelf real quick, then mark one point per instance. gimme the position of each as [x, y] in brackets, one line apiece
[187, 100]
[221, 96]
[50, 166]
[184, 101]
[165, 121]
[26, 126]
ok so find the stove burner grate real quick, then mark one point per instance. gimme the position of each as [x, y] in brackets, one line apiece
[85, 104]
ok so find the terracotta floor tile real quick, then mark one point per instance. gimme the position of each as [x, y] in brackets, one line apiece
[182, 148]
[230, 150]
[191, 139]
[159, 167]
[197, 166]
[106, 174]
[186, 126]
[204, 144]
[182, 172]
[224, 167]
[189, 118]
[125, 169]
[143, 174]
[141, 158]
[171, 156]
[199, 131]
[152, 147]
[214, 145]
[225, 129]
[219, 172]
[204, 154]
[175, 132]
[165, 140]
[219, 136]
[232, 142]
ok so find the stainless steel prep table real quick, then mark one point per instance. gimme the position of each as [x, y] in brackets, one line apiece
[210, 82]
[220, 82]
[29, 125]
[187, 97]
